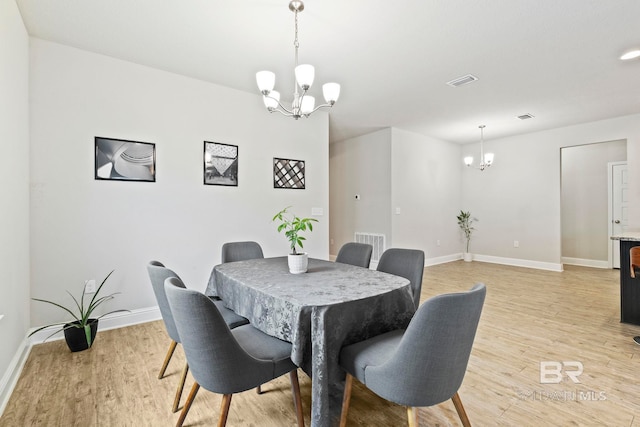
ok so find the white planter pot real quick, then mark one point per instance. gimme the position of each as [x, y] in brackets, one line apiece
[298, 263]
[467, 256]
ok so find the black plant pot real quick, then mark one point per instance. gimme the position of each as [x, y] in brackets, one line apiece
[76, 338]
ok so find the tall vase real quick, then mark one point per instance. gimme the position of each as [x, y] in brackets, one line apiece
[298, 263]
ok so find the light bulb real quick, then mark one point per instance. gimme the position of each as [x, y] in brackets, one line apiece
[304, 75]
[331, 92]
[266, 81]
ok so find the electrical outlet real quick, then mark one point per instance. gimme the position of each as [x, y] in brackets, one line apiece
[90, 286]
[516, 244]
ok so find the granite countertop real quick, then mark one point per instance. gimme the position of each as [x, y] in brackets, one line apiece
[627, 235]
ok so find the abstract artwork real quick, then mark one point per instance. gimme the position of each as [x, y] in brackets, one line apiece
[220, 164]
[122, 160]
[288, 173]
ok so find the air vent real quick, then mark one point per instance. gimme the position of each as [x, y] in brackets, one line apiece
[374, 239]
[461, 81]
[526, 116]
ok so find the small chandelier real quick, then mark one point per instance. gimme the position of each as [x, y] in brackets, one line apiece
[303, 105]
[486, 160]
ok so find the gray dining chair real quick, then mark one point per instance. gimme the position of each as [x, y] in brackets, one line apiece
[358, 254]
[423, 365]
[224, 360]
[240, 251]
[158, 273]
[407, 263]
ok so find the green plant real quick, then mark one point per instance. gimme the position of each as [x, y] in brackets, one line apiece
[293, 225]
[465, 222]
[82, 313]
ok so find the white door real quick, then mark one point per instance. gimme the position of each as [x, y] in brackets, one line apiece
[619, 203]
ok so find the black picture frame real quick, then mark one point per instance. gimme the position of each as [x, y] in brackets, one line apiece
[220, 164]
[288, 173]
[124, 160]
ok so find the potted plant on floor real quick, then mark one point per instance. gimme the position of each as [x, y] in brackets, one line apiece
[80, 333]
[293, 226]
[465, 222]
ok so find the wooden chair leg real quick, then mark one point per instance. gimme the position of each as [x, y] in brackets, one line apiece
[412, 416]
[297, 399]
[346, 399]
[187, 404]
[224, 410]
[460, 409]
[183, 378]
[167, 358]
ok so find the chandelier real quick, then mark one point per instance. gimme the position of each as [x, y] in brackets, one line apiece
[303, 105]
[486, 160]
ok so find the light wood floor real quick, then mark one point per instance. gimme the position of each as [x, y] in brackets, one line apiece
[530, 316]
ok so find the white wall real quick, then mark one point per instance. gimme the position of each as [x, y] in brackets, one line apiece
[585, 200]
[14, 190]
[83, 228]
[360, 166]
[393, 169]
[426, 188]
[519, 197]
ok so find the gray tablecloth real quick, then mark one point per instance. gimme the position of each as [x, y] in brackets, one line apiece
[330, 306]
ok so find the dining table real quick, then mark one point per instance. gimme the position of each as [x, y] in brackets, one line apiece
[331, 305]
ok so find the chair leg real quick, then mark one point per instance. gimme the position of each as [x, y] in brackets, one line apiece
[224, 410]
[259, 390]
[412, 416]
[187, 404]
[346, 399]
[461, 413]
[297, 399]
[183, 377]
[167, 358]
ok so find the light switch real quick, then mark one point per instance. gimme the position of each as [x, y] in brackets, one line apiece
[317, 211]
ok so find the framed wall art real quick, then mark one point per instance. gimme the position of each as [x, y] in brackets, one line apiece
[123, 160]
[288, 173]
[220, 164]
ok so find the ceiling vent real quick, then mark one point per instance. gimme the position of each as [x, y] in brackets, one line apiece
[461, 81]
[526, 116]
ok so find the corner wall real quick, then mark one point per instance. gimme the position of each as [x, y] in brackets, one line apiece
[360, 166]
[426, 185]
[14, 193]
[82, 228]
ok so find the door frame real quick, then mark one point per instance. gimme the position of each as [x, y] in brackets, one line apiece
[610, 166]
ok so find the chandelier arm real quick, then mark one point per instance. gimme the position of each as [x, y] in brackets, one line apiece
[284, 113]
[284, 109]
[319, 107]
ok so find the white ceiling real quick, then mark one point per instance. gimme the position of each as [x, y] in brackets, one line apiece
[555, 59]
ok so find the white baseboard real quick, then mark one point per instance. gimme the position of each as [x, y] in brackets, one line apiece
[11, 375]
[117, 320]
[428, 262]
[493, 260]
[550, 266]
[586, 262]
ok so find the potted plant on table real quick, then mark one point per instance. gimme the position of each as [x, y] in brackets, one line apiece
[80, 333]
[465, 222]
[293, 226]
